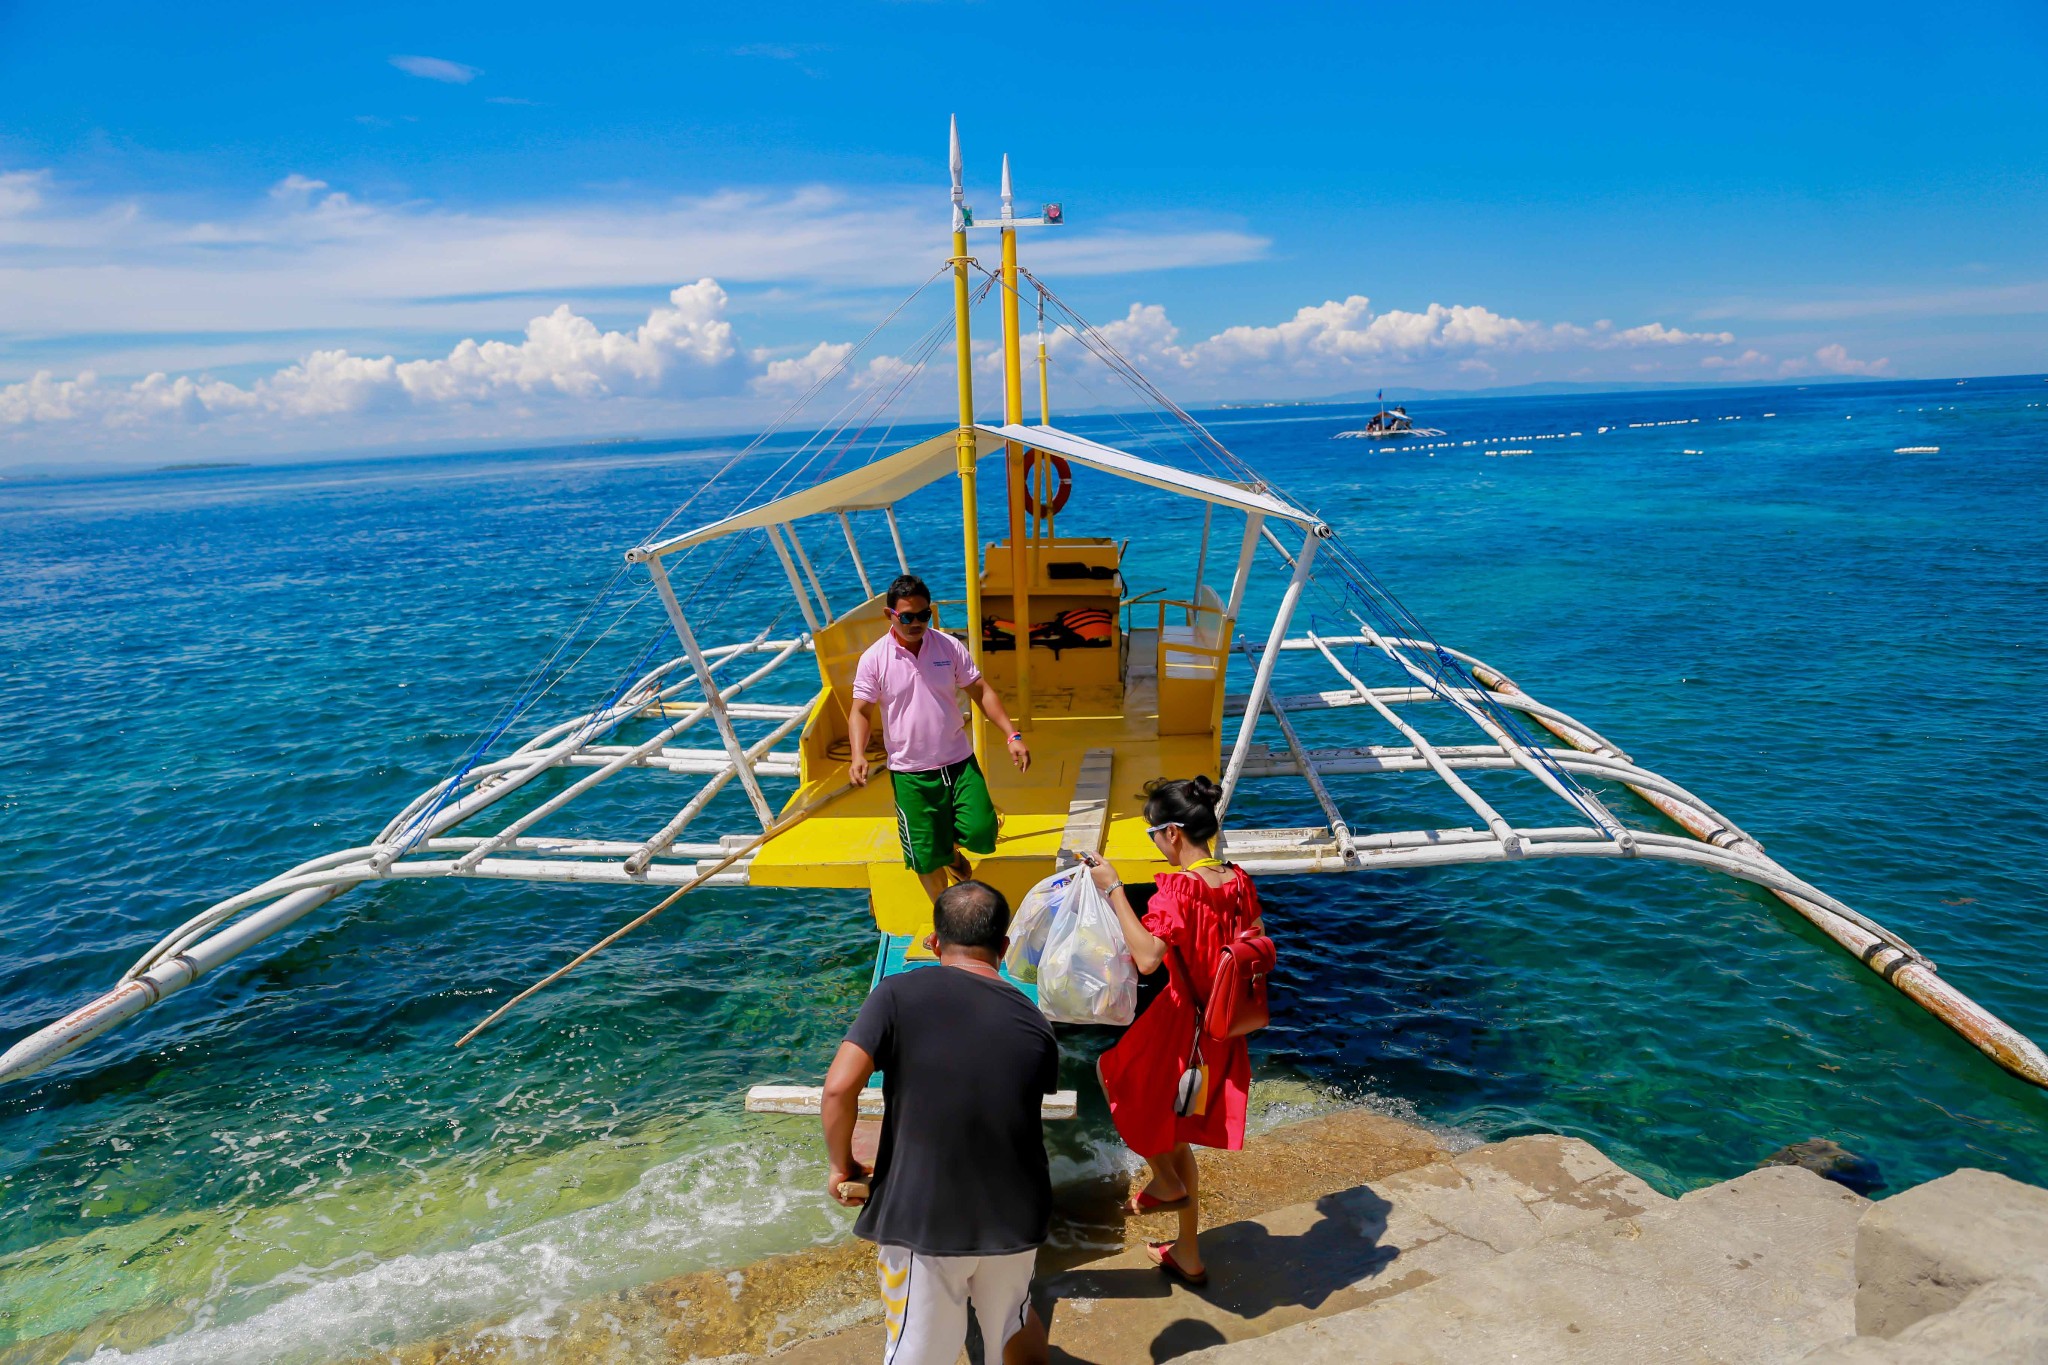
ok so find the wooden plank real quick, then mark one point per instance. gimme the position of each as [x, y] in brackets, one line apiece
[1257, 845]
[806, 1099]
[1088, 810]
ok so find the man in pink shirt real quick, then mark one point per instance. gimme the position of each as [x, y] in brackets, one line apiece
[916, 674]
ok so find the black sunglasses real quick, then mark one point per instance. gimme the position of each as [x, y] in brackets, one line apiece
[914, 618]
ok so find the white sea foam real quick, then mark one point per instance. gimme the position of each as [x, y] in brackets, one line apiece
[720, 1206]
[724, 1205]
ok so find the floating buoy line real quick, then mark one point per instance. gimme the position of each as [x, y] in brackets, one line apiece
[1500, 445]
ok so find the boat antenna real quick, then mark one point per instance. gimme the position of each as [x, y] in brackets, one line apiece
[960, 218]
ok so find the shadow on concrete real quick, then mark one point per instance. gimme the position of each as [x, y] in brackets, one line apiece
[1253, 1270]
[1186, 1337]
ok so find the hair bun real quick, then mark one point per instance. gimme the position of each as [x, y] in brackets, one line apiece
[1189, 802]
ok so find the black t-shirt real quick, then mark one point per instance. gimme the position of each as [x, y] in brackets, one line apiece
[961, 1167]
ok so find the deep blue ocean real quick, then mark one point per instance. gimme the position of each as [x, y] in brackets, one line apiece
[207, 676]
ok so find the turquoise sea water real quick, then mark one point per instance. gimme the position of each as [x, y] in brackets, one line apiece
[212, 675]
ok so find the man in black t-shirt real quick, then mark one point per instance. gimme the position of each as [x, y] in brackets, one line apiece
[960, 1196]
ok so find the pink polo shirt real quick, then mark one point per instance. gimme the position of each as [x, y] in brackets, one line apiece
[920, 698]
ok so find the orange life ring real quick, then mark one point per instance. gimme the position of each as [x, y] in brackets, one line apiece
[1059, 495]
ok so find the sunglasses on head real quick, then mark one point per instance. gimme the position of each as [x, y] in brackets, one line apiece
[913, 618]
[1154, 831]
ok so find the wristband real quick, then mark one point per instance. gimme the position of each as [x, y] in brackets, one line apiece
[1016, 735]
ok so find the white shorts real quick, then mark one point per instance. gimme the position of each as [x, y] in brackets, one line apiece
[925, 1301]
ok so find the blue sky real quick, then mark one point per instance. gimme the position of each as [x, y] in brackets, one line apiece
[295, 220]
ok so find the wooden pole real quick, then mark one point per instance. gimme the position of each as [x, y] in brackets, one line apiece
[1015, 462]
[1263, 681]
[1917, 980]
[796, 584]
[853, 548]
[796, 543]
[712, 696]
[896, 538]
[702, 878]
[1253, 522]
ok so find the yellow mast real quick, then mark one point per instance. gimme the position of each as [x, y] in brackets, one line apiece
[1014, 461]
[964, 449]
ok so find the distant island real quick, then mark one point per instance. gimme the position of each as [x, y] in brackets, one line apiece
[201, 464]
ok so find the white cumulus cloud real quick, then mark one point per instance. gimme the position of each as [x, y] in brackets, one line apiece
[793, 375]
[686, 364]
[1834, 358]
[1342, 339]
[437, 69]
[21, 191]
[684, 350]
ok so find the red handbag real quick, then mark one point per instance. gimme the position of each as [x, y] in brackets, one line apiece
[1237, 996]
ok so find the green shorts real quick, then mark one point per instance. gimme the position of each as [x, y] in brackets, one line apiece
[941, 809]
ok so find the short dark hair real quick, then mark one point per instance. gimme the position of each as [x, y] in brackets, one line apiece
[909, 585]
[971, 915]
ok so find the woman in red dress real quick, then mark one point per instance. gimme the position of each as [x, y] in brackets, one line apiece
[1200, 905]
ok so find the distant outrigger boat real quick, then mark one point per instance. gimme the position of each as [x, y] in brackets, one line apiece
[1387, 424]
[1107, 708]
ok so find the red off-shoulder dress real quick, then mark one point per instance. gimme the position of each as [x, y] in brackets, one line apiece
[1140, 1074]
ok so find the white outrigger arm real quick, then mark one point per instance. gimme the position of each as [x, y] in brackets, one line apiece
[749, 739]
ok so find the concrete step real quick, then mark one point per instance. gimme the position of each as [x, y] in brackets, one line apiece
[1761, 1268]
[1955, 1269]
[1345, 1251]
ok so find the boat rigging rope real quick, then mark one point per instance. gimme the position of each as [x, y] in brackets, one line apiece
[789, 413]
[702, 878]
[804, 457]
[545, 679]
[1369, 597]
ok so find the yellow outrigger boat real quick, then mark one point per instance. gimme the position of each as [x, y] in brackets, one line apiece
[1114, 689]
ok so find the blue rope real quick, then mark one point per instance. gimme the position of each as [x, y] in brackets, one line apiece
[416, 829]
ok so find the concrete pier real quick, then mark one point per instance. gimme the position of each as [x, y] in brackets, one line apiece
[1357, 1238]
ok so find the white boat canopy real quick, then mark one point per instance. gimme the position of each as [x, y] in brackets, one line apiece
[884, 482]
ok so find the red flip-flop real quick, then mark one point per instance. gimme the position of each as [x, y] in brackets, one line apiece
[1147, 1203]
[1162, 1256]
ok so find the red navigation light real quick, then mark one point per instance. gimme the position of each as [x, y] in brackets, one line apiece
[1054, 214]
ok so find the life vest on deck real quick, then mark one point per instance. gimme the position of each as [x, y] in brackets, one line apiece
[1076, 628]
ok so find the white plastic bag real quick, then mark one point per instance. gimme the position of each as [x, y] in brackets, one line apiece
[1032, 923]
[1085, 974]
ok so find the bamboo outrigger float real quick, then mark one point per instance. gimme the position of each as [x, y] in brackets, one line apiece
[1148, 696]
